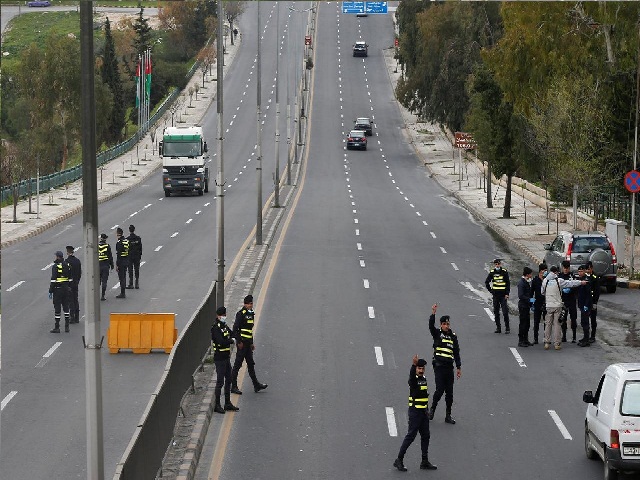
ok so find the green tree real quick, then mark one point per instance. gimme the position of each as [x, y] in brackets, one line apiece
[142, 40]
[111, 77]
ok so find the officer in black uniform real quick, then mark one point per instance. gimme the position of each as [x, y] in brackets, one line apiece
[75, 268]
[122, 260]
[243, 333]
[539, 308]
[222, 341]
[569, 298]
[497, 282]
[59, 291]
[135, 254]
[418, 416]
[105, 260]
[446, 351]
[595, 295]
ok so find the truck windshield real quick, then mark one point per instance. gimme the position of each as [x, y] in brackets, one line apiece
[181, 149]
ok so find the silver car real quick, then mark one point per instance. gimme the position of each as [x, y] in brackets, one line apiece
[582, 247]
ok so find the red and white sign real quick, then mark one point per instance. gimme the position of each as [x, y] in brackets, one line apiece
[465, 140]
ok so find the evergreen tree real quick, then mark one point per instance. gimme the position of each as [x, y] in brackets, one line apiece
[111, 77]
[142, 40]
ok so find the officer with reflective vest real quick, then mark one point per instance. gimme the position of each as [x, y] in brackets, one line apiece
[446, 351]
[75, 269]
[243, 333]
[497, 282]
[418, 416]
[105, 261]
[122, 260]
[222, 340]
[59, 291]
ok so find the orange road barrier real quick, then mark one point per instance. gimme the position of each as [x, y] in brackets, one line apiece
[142, 332]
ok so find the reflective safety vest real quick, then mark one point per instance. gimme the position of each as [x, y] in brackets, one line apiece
[125, 244]
[498, 282]
[102, 252]
[246, 328]
[226, 333]
[420, 398]
[61, 278]
[443, 349]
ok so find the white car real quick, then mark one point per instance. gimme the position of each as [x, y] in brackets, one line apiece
[612, 423]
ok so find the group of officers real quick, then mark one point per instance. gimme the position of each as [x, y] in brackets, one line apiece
[552, 296]
[66, 274]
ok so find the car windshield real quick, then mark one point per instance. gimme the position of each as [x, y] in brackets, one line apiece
[181, 149]
[630, 404]
[586, 245]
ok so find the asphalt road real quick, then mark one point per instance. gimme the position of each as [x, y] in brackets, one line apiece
[372, 245]
[43, 423]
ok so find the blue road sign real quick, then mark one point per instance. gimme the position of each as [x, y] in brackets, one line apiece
[375, 7]
[353, 7]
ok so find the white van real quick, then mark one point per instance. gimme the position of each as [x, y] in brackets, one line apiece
[612, 423]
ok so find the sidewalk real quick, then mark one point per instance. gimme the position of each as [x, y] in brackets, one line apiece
[528, 229]
[117, 176]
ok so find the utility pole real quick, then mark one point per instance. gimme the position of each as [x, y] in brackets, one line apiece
[220, 177]
[276, 176]
[259, 145]
[286, 55]
[92, 329]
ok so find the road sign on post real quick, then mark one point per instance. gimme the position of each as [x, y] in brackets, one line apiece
[465, 140]
[632, 181]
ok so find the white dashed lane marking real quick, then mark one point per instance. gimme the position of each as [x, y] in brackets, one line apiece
[391, 422]
[15, 286]
[563, 430]
[372, 313]
[157, 249]
[443, 250]
[7, 399]
[433, 234]
[455, 267]
[46, 356]
[517, 356]
[175, 234]
[379, 359]
[490, 313]
[366, 283]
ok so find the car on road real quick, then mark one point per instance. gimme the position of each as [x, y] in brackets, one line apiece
[365, 124]
[612, 420]
[582, 247]
[39, 3]
[356, 139]
[361, 14]
[360, 49]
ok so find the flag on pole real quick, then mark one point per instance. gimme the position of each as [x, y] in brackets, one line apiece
[138, 84]
[148, 75]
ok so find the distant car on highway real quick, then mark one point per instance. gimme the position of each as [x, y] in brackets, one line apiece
[582, 247]
[356, 139]
[360, 49]
[364, 124]
[39, 3]
[612, 420]
[361, 14]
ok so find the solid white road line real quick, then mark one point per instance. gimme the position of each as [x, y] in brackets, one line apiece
[563, 430]
[391, 422]
[517, 356]
[455, 267]
[443, 250]
[366, 283]
[7, 399]
[490, 313]
[372, 314]
[379, 359]
[15, 286]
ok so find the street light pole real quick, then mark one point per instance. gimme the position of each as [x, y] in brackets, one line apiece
[276, 177]
[259, 145]
[286, 55]
[220, 177]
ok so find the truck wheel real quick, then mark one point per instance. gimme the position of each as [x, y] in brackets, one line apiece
[167, 193]
[206, 186]
[200, 192]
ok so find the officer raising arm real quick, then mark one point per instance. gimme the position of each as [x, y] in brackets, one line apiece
[446, 351]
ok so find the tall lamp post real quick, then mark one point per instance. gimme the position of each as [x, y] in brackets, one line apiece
[276, 176]
[220, 177]
[259, 146]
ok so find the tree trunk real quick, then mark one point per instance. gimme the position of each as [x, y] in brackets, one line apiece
[489, 201]
[16, 190]
[30, 195]
[231, 31]
[506, 213]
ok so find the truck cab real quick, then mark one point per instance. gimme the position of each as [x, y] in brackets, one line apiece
[184, 160]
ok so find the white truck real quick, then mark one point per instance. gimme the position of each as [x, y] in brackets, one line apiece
[184, 160]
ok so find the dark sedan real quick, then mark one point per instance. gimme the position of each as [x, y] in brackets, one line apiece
[356, 139]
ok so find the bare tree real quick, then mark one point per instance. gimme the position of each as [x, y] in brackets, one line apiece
[232, 11]
[13, 172]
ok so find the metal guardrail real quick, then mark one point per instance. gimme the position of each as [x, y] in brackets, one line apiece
[145, 452]
[72, 174]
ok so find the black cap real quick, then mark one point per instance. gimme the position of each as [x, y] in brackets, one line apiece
[119, 231]
[59, 254]
[104, 236]
[444, 319]
[582, 267]
[132, 228]
[70, 249]
[421, 362]
[497, 260]
[221, 311]
[248, 299]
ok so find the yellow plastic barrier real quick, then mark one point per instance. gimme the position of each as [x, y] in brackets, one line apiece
[141, 332]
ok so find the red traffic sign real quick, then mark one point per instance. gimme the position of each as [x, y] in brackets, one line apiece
[632, 181]
[464, 140]
[396, 42]
[307, 39]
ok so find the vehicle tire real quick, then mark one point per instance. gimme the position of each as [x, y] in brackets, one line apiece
[609, 473]
[206, 186]
[167, 193]
[200, 192]
[601, 261]
[590, 452]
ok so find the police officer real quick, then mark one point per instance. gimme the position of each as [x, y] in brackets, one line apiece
[75, 268]
[497, 282]
[122, 260]
[539, 309]
[418, 416]
[59, 291]
[135, 254]
[243, 333]
[446, 351]
[569, 297]
[595, 295]
[105, 260]
[222, 340]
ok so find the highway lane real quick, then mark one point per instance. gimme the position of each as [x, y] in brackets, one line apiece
[347, 306]
[47, 412]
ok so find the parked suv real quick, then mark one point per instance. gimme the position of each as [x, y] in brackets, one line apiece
[365, 125]
[612, 420]
[360, 49]
[581, 247]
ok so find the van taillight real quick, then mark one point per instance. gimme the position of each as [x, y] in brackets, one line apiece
[615, 439]
[568, 257]
[613, 253]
